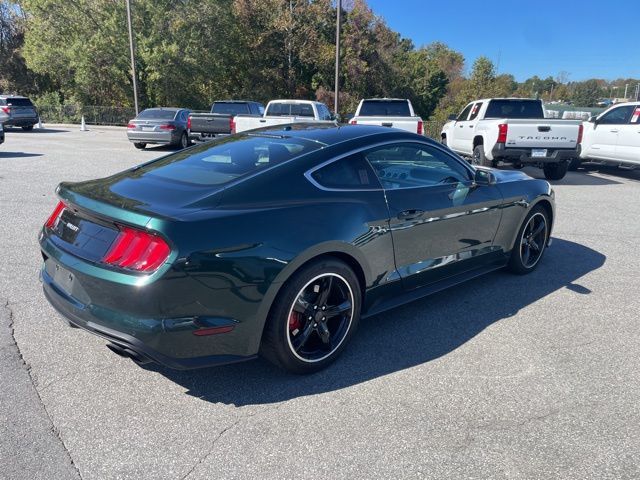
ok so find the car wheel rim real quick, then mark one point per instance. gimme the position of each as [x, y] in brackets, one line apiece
[183, 141]
[320, 318]
[476, 158]
[533, 240]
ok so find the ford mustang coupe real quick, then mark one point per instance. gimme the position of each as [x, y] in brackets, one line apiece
[277, 241]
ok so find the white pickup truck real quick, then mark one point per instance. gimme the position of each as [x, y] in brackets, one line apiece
[281, 112]
[388, 112]
[515, 131]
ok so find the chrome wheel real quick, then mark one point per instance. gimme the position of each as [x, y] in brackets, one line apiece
[533, 240]
[320, 317]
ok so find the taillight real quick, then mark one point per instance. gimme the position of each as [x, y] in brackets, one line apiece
[189, 122]
[232, 125]
[580, 128]
[167, 126]
[419, 127]
[6, 110]
[137, 250]
[53, 218]
[353, 122]
[502, 132]
[131, 125]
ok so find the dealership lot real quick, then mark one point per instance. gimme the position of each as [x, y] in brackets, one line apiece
[504, 376]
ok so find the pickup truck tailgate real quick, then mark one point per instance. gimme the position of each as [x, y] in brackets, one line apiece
[210, 123]
[542, 133]
[408, 124]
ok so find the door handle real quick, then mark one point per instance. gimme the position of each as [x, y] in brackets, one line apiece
[470, 126]
[410, 214]
[613, 131]
[461, 126]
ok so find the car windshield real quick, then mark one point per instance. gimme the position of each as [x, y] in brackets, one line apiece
[157, 114]
[386, 108]
[514, 109]
[221, 162]
[290, 109]
[19, 102]
[230, 108]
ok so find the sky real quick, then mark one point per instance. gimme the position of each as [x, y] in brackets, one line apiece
[586, 38]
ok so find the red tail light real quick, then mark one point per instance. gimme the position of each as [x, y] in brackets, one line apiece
[232, 125]
[168, 126]
[503, 128]
[137, 250]
[131, 125]
[189, 122]
[419, 127]
[53, 219]
[580, 129]
[6, 110]
[353, 122]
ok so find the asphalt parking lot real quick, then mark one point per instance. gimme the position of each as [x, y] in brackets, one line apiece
[501, 377]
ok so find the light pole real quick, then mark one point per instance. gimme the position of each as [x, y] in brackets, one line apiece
[133, 57]
[337, 80]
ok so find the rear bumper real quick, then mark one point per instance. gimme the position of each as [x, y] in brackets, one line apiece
[523, 155]
[162, 138]
[21, 122]
[205, 137]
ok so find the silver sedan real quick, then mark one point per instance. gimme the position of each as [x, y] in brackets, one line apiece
[164, 126]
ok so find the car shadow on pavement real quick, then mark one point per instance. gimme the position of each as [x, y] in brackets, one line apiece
[18, 154]
[580, 177]
[35, 131]
[401, 338]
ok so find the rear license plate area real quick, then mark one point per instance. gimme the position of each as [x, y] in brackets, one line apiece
[63, 278]
[539, 152]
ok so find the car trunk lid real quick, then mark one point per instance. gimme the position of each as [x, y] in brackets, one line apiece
[542, 133]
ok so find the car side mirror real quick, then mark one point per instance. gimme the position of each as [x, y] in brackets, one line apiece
[484, 177]
[453, 116]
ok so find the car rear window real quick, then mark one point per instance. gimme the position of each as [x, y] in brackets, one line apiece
[290, 109]
[385, 108]
[230, 108]
[514, 109]
[19, 102]
[222, 161]
[157, 114]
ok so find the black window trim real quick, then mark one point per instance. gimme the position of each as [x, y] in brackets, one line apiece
[309, 173]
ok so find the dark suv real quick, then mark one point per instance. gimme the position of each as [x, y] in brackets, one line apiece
[21, 112]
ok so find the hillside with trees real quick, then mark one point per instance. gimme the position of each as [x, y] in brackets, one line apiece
[190, 53]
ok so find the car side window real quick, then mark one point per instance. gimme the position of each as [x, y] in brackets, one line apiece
[415, 165]
[617, 116]
[475, 111]
[349, 173]
[465, 113]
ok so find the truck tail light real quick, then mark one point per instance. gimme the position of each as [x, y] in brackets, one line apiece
[167, 126]
[580, 129]
[232, 125]
[503, 128]
[353, 122]
[53, 218]
[419, 132]
[6, 110]
[137, 250]
[189, 122]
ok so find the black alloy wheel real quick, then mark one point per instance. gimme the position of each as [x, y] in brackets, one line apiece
[478, 157]
[314, 317]
[531, 242]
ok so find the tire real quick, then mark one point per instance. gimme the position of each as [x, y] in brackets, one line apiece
[479, 157]
[555, 171]
[27, 128]
[530, 242]
[184, 141]
[139, 145]
[296, 338]
[574, 164]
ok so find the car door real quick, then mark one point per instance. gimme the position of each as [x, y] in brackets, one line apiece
[628, 146]
[441, 222]
[457, 142]
[604, 135]
[467, 129]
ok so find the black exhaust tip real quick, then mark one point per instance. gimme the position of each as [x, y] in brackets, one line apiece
[128, 353]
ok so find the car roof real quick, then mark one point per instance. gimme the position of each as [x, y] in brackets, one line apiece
[169, 109]
[12, 96]
[330, 133]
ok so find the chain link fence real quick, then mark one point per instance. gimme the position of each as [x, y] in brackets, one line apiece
[93, 114]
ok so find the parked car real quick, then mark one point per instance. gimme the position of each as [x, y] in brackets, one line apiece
[277, 241]
[20, 110]
[514, 131]
[613, 137]
[220, 121]
[280, 112]
[388, 112]
[164, 126]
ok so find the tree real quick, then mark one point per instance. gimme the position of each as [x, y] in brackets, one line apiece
[587, 93]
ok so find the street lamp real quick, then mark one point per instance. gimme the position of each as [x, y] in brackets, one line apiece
[337, 79]
[133, 57]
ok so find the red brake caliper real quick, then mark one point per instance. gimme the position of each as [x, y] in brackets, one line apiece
[294, 322]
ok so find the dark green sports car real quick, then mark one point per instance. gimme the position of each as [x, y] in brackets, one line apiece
[277, 241]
